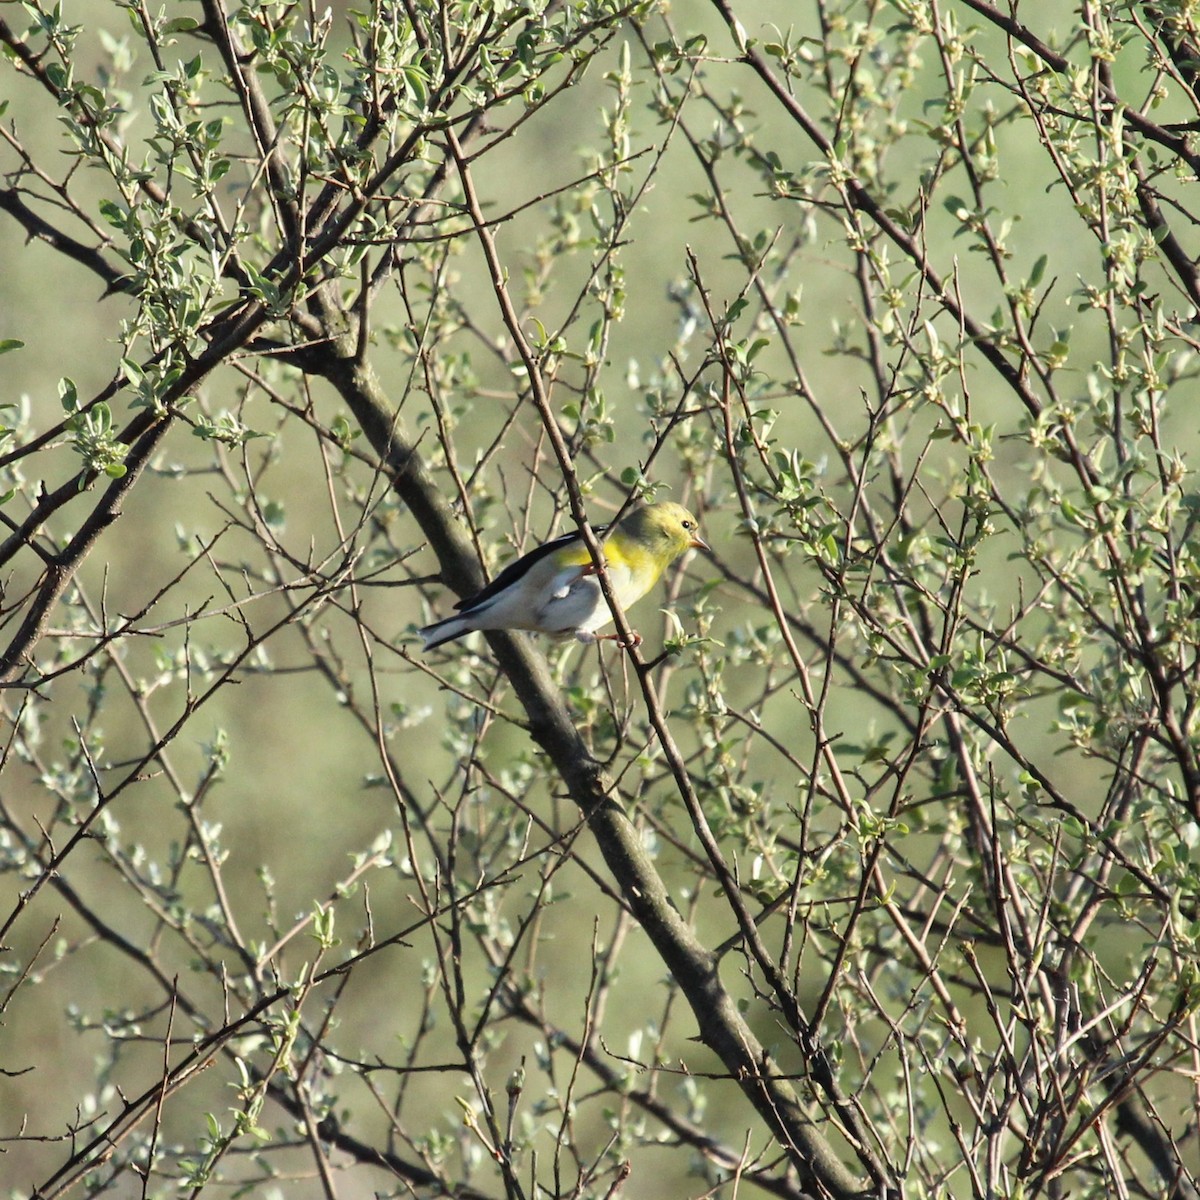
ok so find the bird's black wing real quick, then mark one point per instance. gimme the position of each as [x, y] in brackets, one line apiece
[516, 569]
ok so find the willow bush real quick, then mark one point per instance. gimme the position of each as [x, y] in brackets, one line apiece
[872, 870]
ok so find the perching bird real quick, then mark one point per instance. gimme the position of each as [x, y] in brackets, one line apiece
[554, 589]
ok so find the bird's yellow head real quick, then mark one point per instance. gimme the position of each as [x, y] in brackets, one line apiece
[665, 531]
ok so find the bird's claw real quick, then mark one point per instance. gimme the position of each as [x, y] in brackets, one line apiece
[635, 639]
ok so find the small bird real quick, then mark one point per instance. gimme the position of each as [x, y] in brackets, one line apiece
[555, 590]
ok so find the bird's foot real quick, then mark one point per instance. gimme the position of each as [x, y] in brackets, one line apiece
[635, 639]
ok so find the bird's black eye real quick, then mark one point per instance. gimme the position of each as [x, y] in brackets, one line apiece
[688, 525]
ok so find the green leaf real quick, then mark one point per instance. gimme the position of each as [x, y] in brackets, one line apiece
[68, 394]
[957, 207]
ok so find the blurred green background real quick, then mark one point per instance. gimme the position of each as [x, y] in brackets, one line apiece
[300, 796]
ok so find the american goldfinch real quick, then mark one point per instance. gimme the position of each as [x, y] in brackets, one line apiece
[554, 589]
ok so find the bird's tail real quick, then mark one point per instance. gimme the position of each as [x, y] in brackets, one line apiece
[444, 631]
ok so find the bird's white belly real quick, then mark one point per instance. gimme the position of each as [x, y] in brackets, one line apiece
[577, 605]
[571, 603]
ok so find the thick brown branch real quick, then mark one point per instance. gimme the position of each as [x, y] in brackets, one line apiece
[41, 229]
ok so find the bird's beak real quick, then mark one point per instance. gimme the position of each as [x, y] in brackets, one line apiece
[698, 543]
